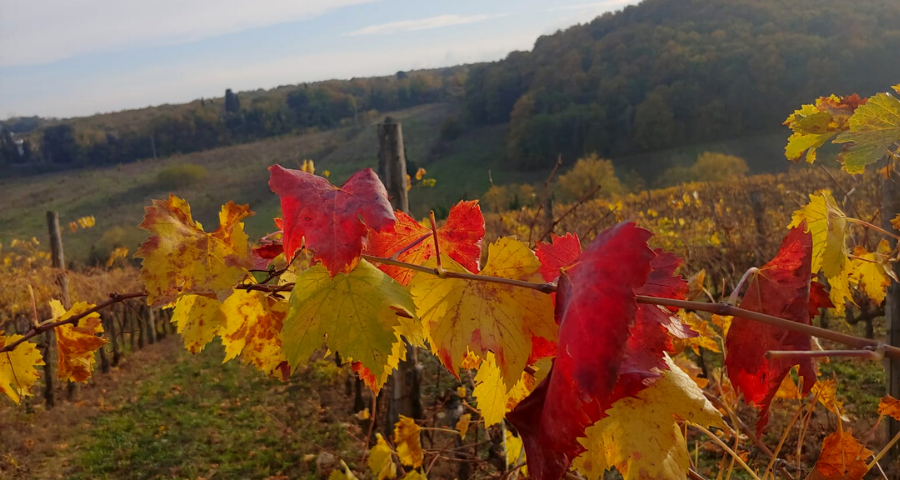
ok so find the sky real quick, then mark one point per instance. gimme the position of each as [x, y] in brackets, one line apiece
[66, 58]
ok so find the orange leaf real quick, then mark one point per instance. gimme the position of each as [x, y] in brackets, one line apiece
[889, 406]
[842, 458]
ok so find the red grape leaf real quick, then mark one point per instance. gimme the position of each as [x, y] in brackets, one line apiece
[818, 298]
[780, 288]
[330, 221]
[653, 325]
[596, 311]
[559, 253]
[460, 238]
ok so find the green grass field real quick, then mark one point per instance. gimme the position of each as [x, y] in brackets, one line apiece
[165, 414]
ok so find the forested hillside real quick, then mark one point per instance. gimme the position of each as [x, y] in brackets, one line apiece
[153, 132]
[667, 73]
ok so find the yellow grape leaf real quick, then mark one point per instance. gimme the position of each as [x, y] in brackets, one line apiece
[252, 329]
[689, 367]
[869, 271]
[180, 257]
[461, 315]
[408, 442]
[75, 345]
[828, 226]
[415, 474]
[470, 362]
[380, 461]
[361, 314]
[840, 293]
[890, 407]
[788, 389]
[874, 128]
[640, 436]
[826, 392]
[461, 391]
[514, 450]
[814, 125]
[896, 88]
[706, 335]
[696, 284]
[723, 322]
[198, 319]
[341, 473]
[17, 372]
[842, 458]
[494, 399]
[463, 424]
[811, 131]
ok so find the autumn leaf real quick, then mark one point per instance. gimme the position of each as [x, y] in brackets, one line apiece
[408, 442]
[493, 396]
[559, 253]
[514, 450]
[198, 319]
[869, 271]
[342, 473]
[462, 425]
[889, 406]
[706, 337]
[76, 344]
[660, 450]
[460, 238]
[780, 288]
[361, 314]
[595, 310]
[828, 226]
[17, 372]
[415, 475]
[380, 461]
[461, 315]
[181, 258]
[815, 125]
[818, 298]
[252, 329]
[874, 129]
[826, 393]
[330, 221]
[842, 458]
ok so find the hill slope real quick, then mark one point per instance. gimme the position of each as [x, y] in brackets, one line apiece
[668, 73]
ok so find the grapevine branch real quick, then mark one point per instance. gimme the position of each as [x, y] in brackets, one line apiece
[716, 308]
[39, 329]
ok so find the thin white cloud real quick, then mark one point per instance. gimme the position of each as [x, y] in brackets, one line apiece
[42, 31]
[604, 6]
[439, 21]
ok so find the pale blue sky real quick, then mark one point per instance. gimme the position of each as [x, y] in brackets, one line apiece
[68, 58]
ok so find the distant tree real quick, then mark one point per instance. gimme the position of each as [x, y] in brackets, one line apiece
[59, 145]
[587, 174]
[9, 151]
[709, 167]
[26, 151]
[232, 103]
[713, 166]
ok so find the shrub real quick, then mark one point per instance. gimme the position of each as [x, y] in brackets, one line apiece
[180, 176]
[585, 176]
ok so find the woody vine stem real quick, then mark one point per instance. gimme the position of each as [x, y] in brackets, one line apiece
[875, 349]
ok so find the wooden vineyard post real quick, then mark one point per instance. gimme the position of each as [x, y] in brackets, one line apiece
[890, 209]
[392, 163]
[58, 262]
[404, 386]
